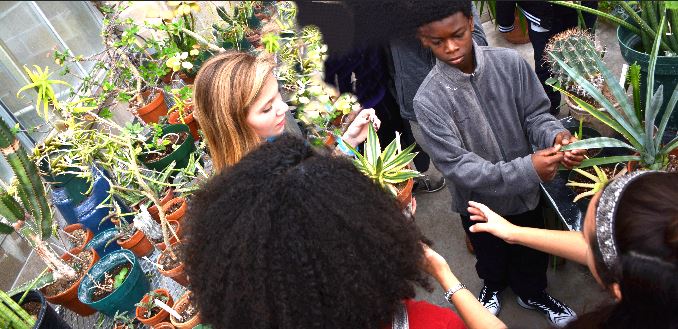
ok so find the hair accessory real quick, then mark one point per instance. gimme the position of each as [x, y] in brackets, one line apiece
[453, 290]
[605, 214]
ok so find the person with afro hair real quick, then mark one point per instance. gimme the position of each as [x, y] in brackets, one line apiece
[292, 238]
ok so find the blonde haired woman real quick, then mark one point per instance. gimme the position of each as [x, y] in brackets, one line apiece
[238, 106]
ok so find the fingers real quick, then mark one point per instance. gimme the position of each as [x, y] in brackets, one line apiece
[479, 227]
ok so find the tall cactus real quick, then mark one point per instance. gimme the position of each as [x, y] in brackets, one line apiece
[579, 50]
[31, 215]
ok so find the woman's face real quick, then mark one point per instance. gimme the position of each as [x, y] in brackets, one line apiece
[266, 115]
[589, 233]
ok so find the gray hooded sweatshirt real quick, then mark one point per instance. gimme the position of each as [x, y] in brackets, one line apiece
[480, 128]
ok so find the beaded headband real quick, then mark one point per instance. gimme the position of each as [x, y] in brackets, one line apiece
[605, 214]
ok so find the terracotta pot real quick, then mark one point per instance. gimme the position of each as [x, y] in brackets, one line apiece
[330, 141]
[517, 36]
[633, 165]
[177, 274]
[167, 78]
[177, 215]
[179, 306]
[138, 244]
[69, 297]
[158, 318]
[153, 210]
[404, 196]
[172, 240]
[187, 78]
[152, 112]
[189, 120]
[89, 234]
[163, 325]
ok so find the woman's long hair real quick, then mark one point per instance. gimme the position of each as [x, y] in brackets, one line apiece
[224, 89]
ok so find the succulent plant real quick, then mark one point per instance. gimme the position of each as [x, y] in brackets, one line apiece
[578, 49]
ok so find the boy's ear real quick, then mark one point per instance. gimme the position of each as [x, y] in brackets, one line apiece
[470, 22]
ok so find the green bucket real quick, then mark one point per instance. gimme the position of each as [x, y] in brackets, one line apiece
[181, 155]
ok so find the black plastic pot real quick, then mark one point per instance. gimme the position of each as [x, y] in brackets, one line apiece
[47, 318]
[588, 132]
[180, 155]
[666, 72]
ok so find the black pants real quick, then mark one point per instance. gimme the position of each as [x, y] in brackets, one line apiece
[501, 264]
[568, 19]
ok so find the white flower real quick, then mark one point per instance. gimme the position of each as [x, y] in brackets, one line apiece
[183, 55]
[315, 90]
[304, 100]
[355, 107]
[324, 98]
[194, 52]
[187, 65]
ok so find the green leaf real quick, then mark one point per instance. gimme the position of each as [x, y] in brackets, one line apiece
[608, 160]
[651, 111]
[6, 229]
[653, 64]
[665, 119]
[38, 283]
[596, 142]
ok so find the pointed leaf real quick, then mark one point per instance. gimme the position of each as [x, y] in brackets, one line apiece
[670, 146]
[608, 160]
[653, 64]
[586, 174]
[596, 142]
[665, 118]
[651, 111]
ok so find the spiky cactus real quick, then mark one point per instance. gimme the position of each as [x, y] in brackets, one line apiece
[578, 49]
[29, 214]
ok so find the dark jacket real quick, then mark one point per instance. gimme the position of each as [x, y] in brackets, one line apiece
[542, 13]
[480, 128]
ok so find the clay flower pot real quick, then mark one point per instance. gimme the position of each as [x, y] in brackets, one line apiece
[178, 214]
[517, 36]
[138, 244]
[189, 120]
[177, 274]
[69, 297]
[158, 318]
[161, 246]
[404, 196]
[152, 112]
[153, 210]
[163, 325]
[179, 306]
[89, 235]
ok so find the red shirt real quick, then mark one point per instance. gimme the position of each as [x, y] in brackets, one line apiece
[423, 315]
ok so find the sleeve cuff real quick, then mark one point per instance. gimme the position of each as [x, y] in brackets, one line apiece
[528, 171]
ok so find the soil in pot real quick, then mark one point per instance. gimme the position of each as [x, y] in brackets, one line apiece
[107, 285]
[160, 244]
[137, 242]
[168, 263]
[174, 138]
[190, 310]
[32, 308]
[80, 264]
[77, 238]
[673, 163]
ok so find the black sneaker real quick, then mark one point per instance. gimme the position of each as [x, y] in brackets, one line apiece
[558, 313]
[490, 299]
[427, 184]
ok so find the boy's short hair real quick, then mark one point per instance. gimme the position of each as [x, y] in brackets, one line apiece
[447, 8]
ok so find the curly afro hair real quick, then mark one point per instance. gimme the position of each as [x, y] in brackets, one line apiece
[291, 238]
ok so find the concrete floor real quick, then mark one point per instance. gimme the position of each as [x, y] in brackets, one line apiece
[570, 282]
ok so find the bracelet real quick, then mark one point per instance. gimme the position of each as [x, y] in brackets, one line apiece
[343, 148]
[453, 290]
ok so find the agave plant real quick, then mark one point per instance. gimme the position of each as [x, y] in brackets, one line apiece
[12, 315]
[598, 181]
[385, 168]
[641, 135]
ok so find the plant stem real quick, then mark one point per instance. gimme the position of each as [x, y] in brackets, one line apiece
[17, 315]
[59, 268]
[202, 40]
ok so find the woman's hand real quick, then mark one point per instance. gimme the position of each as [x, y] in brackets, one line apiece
[434, 264]
[490, 222]
[357, 130]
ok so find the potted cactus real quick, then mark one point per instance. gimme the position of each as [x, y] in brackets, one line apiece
[28, 310]
[643, 137]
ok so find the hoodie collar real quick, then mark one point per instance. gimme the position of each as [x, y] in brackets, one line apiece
[456, 74]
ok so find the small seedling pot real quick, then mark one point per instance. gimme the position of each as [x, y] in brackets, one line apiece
[122, 299]
[179, 306]
[404, 196]
[178, 273]
[69, 297]
[138, 244]
[178, 231]
[88, 233]
[46, 318]
[178, 214]
[152, 112]
[189, 120]
[158, 318]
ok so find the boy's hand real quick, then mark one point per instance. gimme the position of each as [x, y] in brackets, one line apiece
[546, 162]
[572, 158]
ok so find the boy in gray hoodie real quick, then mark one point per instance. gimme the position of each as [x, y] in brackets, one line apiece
[481, 109]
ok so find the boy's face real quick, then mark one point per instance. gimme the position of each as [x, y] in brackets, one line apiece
[450, 40]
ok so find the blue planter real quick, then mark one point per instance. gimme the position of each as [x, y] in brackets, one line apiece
[100, 240]
[87, 212]
[131, 291]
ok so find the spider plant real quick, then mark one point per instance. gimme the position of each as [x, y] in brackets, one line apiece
[385, 168]
[641, 135]
[598, 181]
[44, 87]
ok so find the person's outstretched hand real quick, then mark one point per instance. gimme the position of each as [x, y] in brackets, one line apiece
[572, 158]
[489, 221]
[546, 162]
[357, 130]
[434, 264]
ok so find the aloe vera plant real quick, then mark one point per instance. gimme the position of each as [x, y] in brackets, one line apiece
[26, 209]
[641, 134]
[598, 181]
[385, 168]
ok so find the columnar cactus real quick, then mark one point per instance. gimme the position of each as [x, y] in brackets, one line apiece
[578, 49]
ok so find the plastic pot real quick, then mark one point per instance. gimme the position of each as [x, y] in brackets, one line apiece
[178, 273]
[89, 235]
[180, 155]
[404, 196]
[178, 214]
[134, 287]
[69, 297]
[100, 240]
[665, 72]
[138, 244]
[152, 112]
[588, 132]
[178, 231]
[158, 318]
[189, 120]
[179, 306]
[47, 318]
